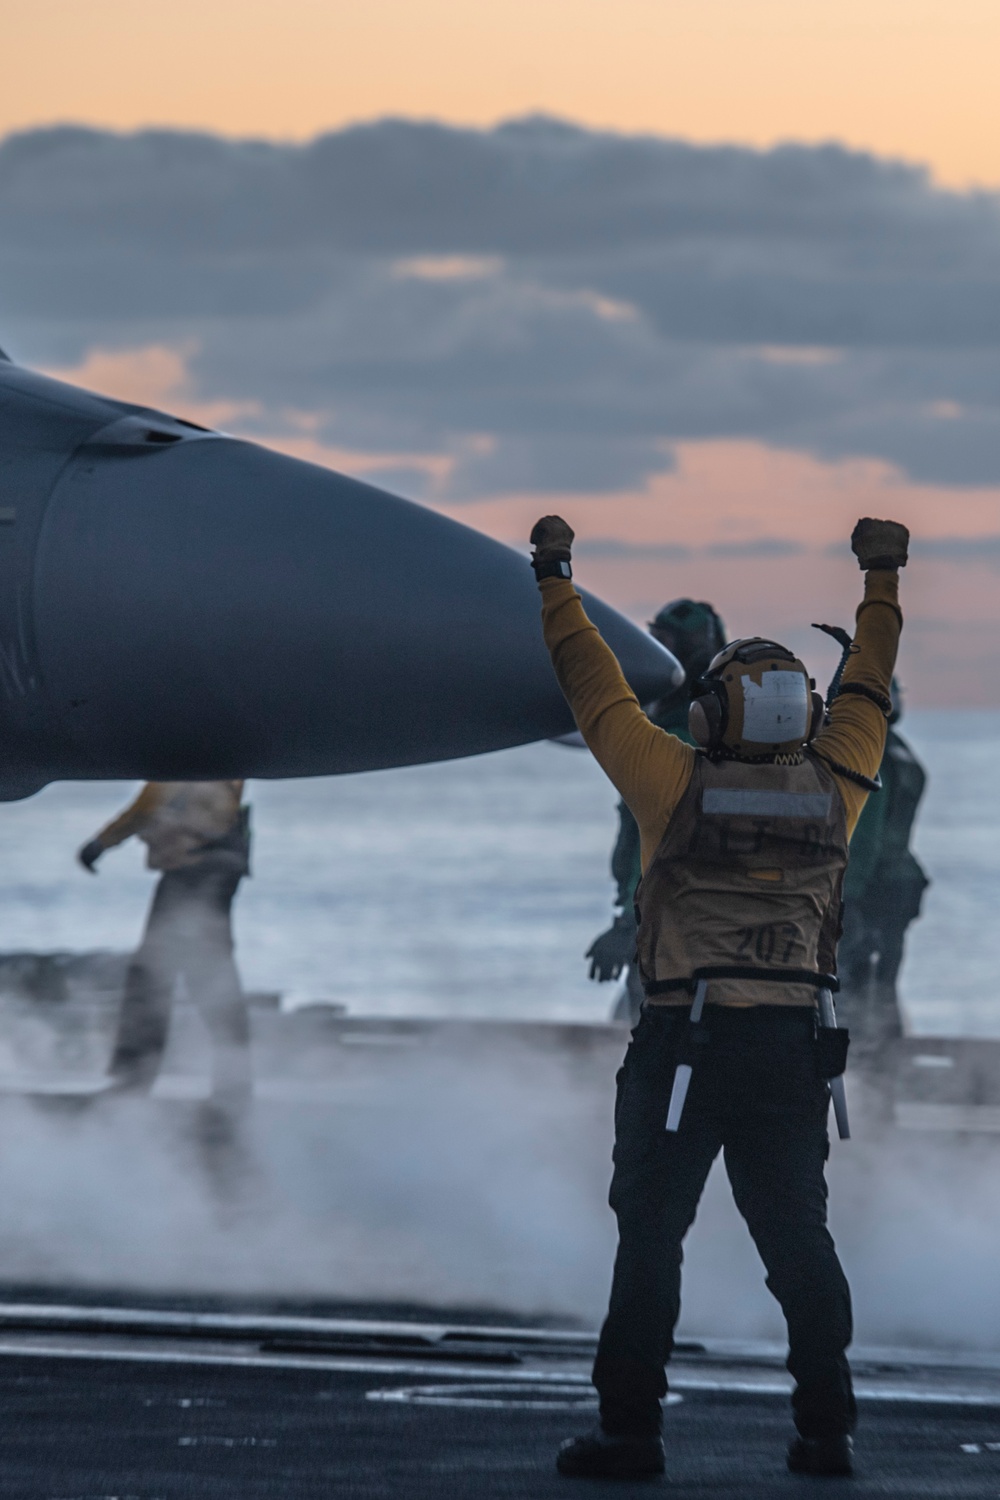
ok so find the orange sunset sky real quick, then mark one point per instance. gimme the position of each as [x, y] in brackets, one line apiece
[907, 79]
[913, 78]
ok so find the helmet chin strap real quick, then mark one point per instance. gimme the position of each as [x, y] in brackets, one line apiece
[770, 758]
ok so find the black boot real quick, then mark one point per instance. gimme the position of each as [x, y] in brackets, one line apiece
[599, 1455]
[831, 1456]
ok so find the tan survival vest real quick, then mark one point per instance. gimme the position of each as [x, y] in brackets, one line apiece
[191, 823]
[747, 876]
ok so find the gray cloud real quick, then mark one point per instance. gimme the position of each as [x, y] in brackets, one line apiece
[613, 549]
[553, 307]
[964, 549]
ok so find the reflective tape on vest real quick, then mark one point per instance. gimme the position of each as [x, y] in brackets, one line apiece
[736, 802]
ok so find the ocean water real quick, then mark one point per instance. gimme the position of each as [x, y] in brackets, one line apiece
[473, 888]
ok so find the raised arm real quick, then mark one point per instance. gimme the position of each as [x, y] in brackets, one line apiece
[855, 736]
[649, 767]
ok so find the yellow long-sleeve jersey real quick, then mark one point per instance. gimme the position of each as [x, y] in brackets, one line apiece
[650, 767]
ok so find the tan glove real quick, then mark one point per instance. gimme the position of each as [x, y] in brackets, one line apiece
[879, 544]
[552, 540]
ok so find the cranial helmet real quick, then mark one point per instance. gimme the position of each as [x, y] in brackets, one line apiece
[755, 701]
[692, 631]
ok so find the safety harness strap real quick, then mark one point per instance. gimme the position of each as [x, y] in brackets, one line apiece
[743, 971]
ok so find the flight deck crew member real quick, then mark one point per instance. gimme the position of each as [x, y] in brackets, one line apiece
[197, 835]
[694, 633]
[744, 845]
[883, 893]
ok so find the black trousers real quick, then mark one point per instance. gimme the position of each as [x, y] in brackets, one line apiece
[188, 933]
[755, 1096]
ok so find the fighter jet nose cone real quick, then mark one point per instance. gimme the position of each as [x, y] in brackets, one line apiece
[205, 607]
[178, 604]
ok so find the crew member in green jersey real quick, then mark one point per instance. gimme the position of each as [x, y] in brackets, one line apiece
[694, 633]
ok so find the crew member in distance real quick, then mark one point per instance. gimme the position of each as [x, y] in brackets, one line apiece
[197, 835]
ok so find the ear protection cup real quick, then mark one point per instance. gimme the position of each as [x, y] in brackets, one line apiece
[818, 715]
[707, 716]
[698, 723]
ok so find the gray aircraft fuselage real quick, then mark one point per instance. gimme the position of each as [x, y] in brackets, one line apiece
[178, 604]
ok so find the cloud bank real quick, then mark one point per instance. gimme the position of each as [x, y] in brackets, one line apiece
[552, 308]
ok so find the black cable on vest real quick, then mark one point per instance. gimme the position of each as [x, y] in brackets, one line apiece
[847, 647]
[881, 700]
[857, 777]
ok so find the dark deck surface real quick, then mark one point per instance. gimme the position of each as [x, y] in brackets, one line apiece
[86, 1428]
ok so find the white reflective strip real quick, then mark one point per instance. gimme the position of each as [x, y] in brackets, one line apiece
[744, 802]
[678, 1094]
[839, 1096]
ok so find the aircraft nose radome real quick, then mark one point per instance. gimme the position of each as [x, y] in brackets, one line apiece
[204, 607]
